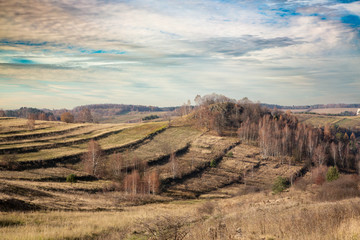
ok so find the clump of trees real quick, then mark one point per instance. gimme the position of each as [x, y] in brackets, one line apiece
[85, 116]
[224, 115]
[281, 134]
[150, 117]
[145, 183]
[32, 113]
[67, 117]
[277, 133]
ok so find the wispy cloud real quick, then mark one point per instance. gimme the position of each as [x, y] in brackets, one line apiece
[165, 52]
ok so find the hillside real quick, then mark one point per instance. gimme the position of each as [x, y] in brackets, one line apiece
[207, 171]
[52, 151]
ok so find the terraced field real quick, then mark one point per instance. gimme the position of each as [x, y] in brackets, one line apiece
[68, 143]
[240, 169]
[206, 165]
[192, 164]
[194, 167]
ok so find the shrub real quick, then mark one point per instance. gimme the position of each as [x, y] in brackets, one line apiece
[280, 184]
[206, 208]
[151, 117]
[230, 154]
[9, 161]
[319, 175]
[213, 163]
[332, 174]
[247, 190]
[67, 117]
[344, 187]
[167, 227]
[71, 178]
[113, 186]
[301, 184]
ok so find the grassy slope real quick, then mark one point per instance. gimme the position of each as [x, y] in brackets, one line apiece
[290, 215]
[85, 211]
[128, 135]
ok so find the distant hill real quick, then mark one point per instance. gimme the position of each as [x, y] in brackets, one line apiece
[316, 106]
[340, 109]
[119, 109]
[100, 112]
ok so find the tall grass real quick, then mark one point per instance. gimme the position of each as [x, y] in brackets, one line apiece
[82, 225]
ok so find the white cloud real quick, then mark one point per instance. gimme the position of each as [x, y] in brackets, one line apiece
[157, 50]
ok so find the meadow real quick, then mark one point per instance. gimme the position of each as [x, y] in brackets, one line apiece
[222, 187]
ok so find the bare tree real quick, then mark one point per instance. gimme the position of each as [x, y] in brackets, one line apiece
[327, 132]
[153, 182]
[174, 165]
[115, 165]
[319, 155]
[357, 160]
[30, 123]
[85, 116]
[10, 160]
[341, 147]
[334, 151]
[132, 182]
[93, 159]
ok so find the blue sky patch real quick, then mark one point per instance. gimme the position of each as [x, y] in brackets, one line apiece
[22, 61]
[25, 43]
[351, 20]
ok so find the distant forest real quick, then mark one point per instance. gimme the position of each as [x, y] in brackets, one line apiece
[316, 106]
[120, 109]
[78, 112]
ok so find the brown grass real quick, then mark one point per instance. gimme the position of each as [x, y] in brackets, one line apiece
[347, 186]
[92, 210]
[84, 225]
[116, 140]
[258, 217]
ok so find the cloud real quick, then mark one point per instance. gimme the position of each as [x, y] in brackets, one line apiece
[168, 51]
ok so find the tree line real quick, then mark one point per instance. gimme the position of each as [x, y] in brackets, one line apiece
[277, 133]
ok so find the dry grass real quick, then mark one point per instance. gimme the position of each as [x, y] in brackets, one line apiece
[347, 186]
[41, 127]
[40, 174]
[116, 140]
[88, 210]
[254, 216]
[165, 143]
[259, 216]
[137, 132]
[82, 134]
[61, 225]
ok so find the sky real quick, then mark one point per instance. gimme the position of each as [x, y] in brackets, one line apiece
[66, 53]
